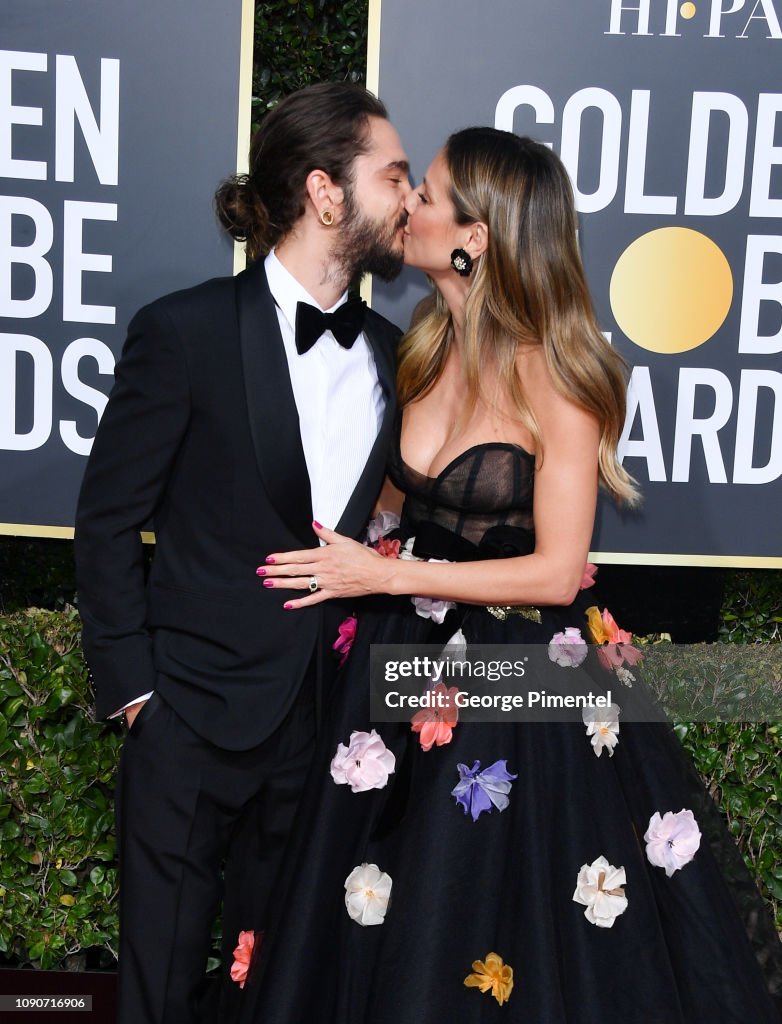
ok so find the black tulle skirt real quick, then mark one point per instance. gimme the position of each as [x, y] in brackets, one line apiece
[698, 947]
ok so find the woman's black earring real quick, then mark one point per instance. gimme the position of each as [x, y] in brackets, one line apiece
[461, 262]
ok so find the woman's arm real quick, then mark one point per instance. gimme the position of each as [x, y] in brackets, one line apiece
[564, 509]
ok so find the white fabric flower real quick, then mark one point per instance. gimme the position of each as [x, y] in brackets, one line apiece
[365, 763]
[381, 525]
[602, 724]
[367, 892]
[599, 889]
[454, 651]
[672, 840]
[406, 551]
[456, 648]
[624, 675]
[568, 649]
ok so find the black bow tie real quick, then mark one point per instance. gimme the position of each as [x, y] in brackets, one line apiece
[344, 323]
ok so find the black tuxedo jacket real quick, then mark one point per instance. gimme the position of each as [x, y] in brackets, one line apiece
[201, 435]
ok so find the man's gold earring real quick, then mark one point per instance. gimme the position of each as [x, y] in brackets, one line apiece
[327, 217]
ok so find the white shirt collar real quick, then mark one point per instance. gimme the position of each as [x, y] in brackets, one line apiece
[287, 292]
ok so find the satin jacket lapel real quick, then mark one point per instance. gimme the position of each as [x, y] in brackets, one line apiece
[371, 480]
[274, 419]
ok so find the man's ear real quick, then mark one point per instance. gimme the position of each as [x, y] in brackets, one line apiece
[323, 193]
[477, 240]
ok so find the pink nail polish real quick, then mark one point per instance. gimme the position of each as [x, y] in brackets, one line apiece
[268, 583]
[260, 572]
[316, 525]
[270, 560]
[288, 605]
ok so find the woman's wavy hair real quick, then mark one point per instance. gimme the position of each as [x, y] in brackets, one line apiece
[322, 127]
[528, 287]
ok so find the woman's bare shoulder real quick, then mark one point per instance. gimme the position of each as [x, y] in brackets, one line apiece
[555, 411]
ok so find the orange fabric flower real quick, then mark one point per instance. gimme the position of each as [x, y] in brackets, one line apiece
[492, 975]
[242, 956]
[435, 725]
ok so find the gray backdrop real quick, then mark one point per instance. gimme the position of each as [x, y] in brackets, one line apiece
[445, 64]
[177, 138]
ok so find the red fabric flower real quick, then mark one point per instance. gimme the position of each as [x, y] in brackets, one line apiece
[388, 548]
[347, 634]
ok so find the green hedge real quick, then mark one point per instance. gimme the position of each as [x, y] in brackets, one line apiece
[58, 879]
[297, 44]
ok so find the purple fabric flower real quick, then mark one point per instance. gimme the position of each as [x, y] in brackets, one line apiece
[476, 791]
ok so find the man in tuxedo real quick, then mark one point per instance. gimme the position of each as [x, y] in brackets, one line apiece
[243, 409]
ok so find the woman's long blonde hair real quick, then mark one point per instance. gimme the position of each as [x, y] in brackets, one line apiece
[528, 287]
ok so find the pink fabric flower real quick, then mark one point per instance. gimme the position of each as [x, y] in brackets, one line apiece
[365, 763]
[435, 725]
[610, 656]
[242, 956]
[631, 654]
[388, 548]
[588, 579]
[672, 840]
[347, 634]
[568, 649]
[613, 656]
[615, 635]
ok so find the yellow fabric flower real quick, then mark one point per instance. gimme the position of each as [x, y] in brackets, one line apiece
[596, 625]
[492, 975]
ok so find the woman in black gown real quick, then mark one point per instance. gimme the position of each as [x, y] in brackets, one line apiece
[512, 406]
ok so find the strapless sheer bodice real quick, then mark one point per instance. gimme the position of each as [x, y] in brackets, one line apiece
[483, 493]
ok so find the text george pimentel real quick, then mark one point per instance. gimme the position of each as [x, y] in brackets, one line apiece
[500, 701]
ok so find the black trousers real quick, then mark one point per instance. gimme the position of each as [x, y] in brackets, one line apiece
[188, 812]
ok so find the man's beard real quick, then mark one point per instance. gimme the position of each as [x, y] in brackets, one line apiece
[366, 246]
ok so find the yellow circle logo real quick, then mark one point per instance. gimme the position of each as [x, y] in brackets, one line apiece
[671, 290]
[687, 11]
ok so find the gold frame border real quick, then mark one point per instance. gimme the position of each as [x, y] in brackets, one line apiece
[373, 84]
[56, 532]
[702, 561]
[244, 127]
[240, 258]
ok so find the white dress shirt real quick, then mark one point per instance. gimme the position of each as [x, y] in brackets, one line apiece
[338, 397]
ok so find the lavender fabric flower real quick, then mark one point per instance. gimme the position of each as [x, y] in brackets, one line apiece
[381, 525]
[568, 649]
[477, 791]
[432, 608]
